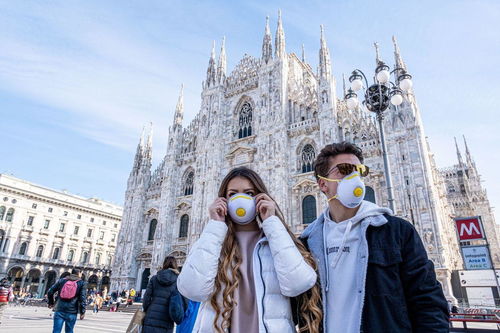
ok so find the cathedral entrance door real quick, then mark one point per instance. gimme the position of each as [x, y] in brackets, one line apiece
[145, 278]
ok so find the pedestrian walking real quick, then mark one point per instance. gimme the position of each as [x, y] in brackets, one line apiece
[118, 302]
[157, 298]
[72, 300]
[97, 303]
[5, 296]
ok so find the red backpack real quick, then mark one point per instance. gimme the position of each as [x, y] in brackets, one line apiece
[4, 294]
[68, 290]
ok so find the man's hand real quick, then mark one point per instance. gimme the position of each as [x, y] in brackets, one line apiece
[82, 316]
[50, 306]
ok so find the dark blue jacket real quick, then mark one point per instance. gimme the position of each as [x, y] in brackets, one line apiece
[156, 302]
[401, 290]
[77, 304]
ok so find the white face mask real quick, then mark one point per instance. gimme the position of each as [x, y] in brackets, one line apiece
[241, 208]
[351, 190]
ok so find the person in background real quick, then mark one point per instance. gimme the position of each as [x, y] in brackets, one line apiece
[157, 297]
[97, 303]
[72, 299]
[5, 295]
[118, 302]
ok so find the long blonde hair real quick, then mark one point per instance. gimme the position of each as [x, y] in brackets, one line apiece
[228, 273]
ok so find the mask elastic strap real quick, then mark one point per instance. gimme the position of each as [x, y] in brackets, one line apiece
[331, 180]
[334, 197]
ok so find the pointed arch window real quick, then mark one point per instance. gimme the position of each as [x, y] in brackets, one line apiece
[188, 184]
[308, 209]
[23, 248]
[39, 251]
[183, 229]
[2, 213]
[152, 229]
[245, 121]
[307, 158]
[370, 194]
[10, 215]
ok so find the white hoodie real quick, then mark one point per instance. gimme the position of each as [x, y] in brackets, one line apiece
[342, 241]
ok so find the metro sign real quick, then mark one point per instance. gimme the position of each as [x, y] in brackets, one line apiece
[469, 228]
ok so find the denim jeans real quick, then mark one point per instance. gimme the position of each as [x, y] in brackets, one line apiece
[63, 317]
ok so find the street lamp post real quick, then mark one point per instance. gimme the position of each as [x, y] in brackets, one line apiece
[378, 97]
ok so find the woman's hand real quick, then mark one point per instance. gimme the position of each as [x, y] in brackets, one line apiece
[218, 209]
[265, 206]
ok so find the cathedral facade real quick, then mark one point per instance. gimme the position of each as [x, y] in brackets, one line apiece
[274, 113]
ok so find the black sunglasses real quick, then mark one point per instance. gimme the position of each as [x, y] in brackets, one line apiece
[348, 168]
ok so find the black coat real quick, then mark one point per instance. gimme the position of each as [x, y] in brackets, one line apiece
[156, 300]
[402, 292]
[77, 304]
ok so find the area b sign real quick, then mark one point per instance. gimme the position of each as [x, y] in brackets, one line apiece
[469, 228]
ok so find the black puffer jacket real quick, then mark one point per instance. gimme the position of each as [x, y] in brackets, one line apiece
[156, 300]
[77, 304]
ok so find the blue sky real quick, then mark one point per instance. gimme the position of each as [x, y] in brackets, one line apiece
[79, 79]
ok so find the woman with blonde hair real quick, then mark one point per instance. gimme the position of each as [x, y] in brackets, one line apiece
[247, 265]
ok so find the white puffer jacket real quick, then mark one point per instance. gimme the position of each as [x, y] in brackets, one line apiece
[279, 271]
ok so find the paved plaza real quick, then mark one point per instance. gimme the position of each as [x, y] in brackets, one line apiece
[32, 319]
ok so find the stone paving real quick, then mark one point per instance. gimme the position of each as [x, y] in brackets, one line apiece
[32, 319]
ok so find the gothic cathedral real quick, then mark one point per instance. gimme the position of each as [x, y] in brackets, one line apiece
[274, 113]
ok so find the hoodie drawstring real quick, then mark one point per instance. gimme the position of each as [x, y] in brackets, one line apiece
[325, 253]
[341, 248]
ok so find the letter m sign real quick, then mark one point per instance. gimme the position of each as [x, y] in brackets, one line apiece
[469, 228]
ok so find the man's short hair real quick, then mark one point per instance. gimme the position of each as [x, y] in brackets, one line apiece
[75, 271]
[322, 163]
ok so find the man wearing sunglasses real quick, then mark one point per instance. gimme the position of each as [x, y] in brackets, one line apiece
[374, 272]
